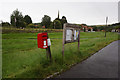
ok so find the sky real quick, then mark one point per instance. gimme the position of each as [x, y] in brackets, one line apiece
[90, 12]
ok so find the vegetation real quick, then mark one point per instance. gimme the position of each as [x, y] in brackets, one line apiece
[30, 29]
[22, 58]
[46, 20]
[108, 28]
[17, 19]
[30, 25]
[5, 24]
[27, 19]
[113, 26]
[57, 24]
[63, 20]
[20, 21]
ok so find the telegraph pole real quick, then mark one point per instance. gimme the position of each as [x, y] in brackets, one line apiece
[106, 25]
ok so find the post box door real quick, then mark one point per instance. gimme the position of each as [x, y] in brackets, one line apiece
[42, 40]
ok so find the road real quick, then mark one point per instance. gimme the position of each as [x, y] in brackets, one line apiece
[103, 64]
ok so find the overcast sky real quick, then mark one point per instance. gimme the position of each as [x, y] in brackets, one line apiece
[90, 12]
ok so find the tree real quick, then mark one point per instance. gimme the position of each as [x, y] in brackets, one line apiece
[101, 27]
[46, 20]
[63, 20]
[5, 24]
[84, 24]
[52, 25]
[94, 28]
[117, 27]
[17, 19]
[27, 19]
[84, 29]
[57, 24]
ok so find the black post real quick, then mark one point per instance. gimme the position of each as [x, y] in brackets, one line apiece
[48, 52]
[105, 32]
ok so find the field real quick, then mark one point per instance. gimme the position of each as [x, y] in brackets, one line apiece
[22, 59]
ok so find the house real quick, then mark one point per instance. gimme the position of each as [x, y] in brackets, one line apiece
[43, 27]
[90, 28]
[115, 30]
[86, 29]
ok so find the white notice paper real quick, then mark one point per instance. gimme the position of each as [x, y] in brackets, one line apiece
[68, 35]
[49, 42]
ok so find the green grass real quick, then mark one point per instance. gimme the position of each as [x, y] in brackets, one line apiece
[22, 59]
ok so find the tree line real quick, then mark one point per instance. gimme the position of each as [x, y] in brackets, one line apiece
[19, 21]
[108, 28]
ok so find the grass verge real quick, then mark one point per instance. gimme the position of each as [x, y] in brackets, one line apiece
[22, 59]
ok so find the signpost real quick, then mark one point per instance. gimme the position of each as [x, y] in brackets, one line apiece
[71, 33]
[106, 25]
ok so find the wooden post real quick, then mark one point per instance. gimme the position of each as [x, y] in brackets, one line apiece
[64, 30]
[79, 39]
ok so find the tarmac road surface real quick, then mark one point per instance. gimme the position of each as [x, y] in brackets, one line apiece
[103, 64]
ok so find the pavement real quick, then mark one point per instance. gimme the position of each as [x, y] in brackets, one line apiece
[103, 64]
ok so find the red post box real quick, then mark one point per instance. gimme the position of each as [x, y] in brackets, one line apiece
[42, 40]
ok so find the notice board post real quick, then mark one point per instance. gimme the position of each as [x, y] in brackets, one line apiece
[79, 40]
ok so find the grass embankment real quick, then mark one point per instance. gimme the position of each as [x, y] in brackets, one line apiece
[22, 58]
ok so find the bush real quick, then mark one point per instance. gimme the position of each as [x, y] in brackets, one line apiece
[31, 26]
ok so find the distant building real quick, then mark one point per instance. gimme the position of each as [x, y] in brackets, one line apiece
[91, 29]
[115, 30]
[43, 26]
[86, 28]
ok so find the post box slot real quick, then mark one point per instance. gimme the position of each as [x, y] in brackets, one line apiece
[43, 39]
[44, 36]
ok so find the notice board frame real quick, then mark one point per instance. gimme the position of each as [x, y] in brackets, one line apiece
[73, 27]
